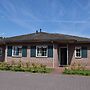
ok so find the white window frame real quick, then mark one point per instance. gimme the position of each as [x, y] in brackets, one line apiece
[44, 46]
[76, 52]
[13, 51]
[1, 52]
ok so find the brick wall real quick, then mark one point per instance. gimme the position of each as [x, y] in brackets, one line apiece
[54, 62]
[39, 60]
[83, 61]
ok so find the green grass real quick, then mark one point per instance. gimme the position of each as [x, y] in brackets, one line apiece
[77, 72]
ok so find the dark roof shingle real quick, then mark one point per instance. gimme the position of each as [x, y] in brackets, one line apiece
[43, 36]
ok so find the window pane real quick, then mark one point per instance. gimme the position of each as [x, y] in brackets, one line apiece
[16, 50]
[78, 52]
[41, 51]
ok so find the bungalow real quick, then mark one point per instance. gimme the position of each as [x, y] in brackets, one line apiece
[51, 49]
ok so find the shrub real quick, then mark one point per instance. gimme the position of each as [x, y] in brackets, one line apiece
[34, 68]
[20, 67]
[78, 72]
[27, 69]
[19, 64]
[28, 64]
[43, 68]
[77, 66]
[5, 66]
[13, 62]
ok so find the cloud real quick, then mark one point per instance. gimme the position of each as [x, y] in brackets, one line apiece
[17, 14]
[8, 7]
[70, 21]
[25, 17]
[84, 5]
[29, 14]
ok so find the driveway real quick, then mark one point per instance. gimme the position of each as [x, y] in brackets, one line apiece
[29, 81]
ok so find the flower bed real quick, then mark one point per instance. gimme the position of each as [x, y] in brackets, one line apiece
[77, 72]
[34, 68]
[77, 69]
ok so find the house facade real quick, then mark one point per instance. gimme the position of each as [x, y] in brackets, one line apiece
[53, 50]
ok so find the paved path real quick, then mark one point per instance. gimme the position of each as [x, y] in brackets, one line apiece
[28, 81]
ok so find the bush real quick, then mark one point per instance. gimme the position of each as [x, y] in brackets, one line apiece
[43, 68]
[26, 69]
[78, 69]
[78, 66]
[28, 64]
[5, 66]
[77, 72]
[20, 67]
[34, 68]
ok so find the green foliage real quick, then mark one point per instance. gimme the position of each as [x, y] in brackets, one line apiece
[4, 66]
[20, 67]
[78, 66]
[34, 68]
[19, 64]
[77, 72]
[28, 64]
[78, 69]
[13, 62]
[43, 68]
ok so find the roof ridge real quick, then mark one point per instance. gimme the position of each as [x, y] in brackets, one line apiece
[27, 34]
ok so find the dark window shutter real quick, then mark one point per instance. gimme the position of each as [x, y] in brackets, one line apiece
[9, 51]
[24, 51]
[84, 52]
[50, 51]
[17, 52]
[33, 51]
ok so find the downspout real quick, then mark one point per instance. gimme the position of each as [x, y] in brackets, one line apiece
[67, 54]
[53, 53]
[6, 53]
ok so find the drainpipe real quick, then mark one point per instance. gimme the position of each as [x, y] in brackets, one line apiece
[53, 55]
[6, 53]
[67, 54]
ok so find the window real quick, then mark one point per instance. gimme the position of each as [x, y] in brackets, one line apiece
[41, 51]
[0, 51]
[78, 52]
[16, 51]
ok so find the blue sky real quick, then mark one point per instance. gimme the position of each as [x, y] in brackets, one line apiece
[60, 16]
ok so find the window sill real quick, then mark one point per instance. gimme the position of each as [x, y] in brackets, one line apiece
[16, 56]
[77, 57]
[41, 56]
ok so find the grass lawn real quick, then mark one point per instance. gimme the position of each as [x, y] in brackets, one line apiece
[77, 72]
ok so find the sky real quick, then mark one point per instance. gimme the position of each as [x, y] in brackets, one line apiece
[19, 17]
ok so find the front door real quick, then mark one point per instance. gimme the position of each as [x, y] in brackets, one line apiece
[63, 56]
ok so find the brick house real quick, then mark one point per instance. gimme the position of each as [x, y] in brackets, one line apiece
[51, 49]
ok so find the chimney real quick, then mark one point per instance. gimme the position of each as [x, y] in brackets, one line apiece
[40, 30]
[36, 31]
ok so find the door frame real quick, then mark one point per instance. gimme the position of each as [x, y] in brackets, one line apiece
[60, 54]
